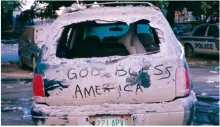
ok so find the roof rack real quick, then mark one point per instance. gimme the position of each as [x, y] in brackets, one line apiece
[109, 3]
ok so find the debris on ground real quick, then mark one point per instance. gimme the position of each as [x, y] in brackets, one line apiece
[8, 63]
[6, 101]
[214, 72]
[27, 99]
[22, 82]
[203, 94]
[28, 84]
[12, 108]
[27, 113]
[217, 68]
[210, 81]
[26, 116]
[204, 60]
[217, 86]
[9, 87]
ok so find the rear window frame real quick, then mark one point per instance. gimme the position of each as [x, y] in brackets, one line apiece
[143, 21]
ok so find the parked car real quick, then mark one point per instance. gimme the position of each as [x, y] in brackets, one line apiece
[180, 29]
[30, 42]
[112, 66]
[204, 39]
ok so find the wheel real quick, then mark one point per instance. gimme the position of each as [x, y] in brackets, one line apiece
[189, 51]
[21, 65]
[33, 63]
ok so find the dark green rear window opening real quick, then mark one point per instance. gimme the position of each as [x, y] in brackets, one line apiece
[92, 39]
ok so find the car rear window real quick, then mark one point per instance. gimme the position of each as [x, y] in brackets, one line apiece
[92, 39]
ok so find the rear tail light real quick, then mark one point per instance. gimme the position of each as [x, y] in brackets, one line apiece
[182, 82]
[38, 89]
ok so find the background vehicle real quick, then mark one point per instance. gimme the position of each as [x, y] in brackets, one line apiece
[204, 39]
[30, 42]
[12, 32]
[180, 29]
[112, 66]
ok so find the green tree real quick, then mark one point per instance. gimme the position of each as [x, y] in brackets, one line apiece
[209, 7]
[53, 6]
[173, 6]
[7, 8]
[198, 8]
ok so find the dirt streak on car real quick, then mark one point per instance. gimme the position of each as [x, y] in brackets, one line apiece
[112, 66]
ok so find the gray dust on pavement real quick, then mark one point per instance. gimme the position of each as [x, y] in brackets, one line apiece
[16, 100]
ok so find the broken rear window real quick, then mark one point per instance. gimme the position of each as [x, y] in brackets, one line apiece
[93, 39]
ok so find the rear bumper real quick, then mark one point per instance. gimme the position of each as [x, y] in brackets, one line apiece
[177, 112]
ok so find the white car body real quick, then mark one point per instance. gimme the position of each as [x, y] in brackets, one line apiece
[205, 43]
[143, 88]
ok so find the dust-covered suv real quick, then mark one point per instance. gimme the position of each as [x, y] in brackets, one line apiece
[112, 66]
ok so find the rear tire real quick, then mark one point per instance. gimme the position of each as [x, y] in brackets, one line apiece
[189, 51]
[33, 63]
[21, 65]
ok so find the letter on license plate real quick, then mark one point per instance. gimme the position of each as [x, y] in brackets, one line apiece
[111, 120]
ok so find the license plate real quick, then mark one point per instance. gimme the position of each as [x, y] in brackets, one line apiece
[112, 120]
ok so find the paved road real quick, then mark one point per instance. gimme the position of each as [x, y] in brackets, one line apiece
[206, 87]
[17, 98]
